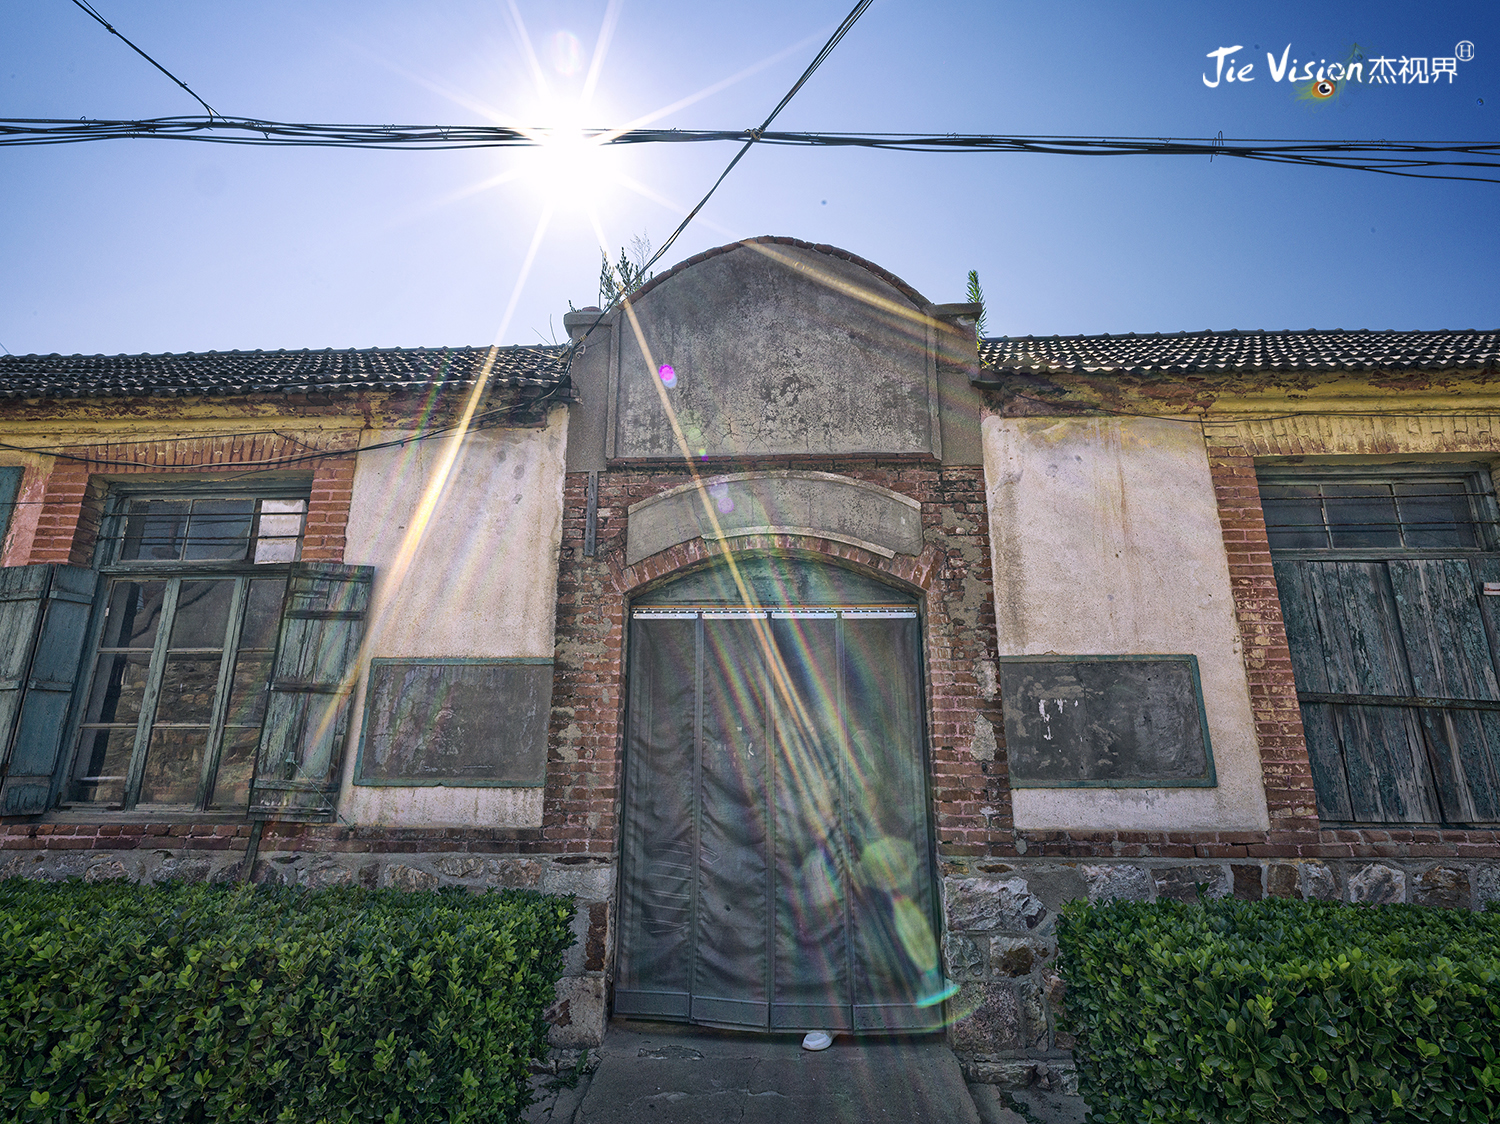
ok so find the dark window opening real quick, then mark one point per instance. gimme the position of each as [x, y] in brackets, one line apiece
[1358, 513]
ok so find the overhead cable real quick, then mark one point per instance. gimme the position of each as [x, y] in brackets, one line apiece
[1418, 159]
[91, 10]
[751, 137]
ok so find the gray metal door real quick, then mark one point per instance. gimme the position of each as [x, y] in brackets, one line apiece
[777, 866]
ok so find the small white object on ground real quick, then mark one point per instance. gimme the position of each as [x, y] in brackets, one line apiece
[817, 1040]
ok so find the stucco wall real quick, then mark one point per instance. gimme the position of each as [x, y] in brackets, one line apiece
[478, 580]
[1106, 540]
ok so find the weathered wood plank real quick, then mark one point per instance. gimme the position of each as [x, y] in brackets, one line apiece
[307, 713]
[1309, 667]
[1385, 757]
[1448, 653]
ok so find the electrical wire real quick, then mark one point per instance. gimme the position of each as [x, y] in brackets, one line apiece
[91, 10]
[751, 137]
[1416, 159]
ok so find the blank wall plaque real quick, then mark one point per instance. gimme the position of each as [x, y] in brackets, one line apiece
[1105, 722]
[457, 722]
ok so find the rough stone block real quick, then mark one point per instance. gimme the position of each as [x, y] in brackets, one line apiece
[1005, 1074]
[513, 872]
[1283, 880]
[112, 870]
[989, 1019]
[1486, 885]
[1378, 884]
[1442, 887]
[1012, 956]
[1062, 1077]
[1247, 882]
[1117, 881]
[1184, 882]
[991, 903]
[593, 881]
[1056, 885]
[399, 876]
[179, 868]
[317, 875]
[1319, 883]
[573, 958]
[1034, 1012]
[963, 959]
[578, 1014]
[460, 866]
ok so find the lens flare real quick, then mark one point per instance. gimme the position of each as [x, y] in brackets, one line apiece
[567, 59]
[722, 500]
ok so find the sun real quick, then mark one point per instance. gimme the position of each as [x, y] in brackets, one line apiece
[568, 167]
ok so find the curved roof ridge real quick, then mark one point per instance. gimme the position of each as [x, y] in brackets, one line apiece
[885, 275]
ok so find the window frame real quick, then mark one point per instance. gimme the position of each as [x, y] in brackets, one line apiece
[1476, 476]
[110, 568]
[1479, 480]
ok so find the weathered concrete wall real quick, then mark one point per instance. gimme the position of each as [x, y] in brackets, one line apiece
[784, 502]
[776, 349]
[478, 579]
[1106, 540]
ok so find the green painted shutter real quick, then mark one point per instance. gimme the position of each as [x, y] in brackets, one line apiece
[312, 679]
[44, 616]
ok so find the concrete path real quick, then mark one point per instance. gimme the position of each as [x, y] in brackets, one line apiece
[655, 1073]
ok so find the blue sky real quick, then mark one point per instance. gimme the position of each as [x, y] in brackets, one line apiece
[133, 246]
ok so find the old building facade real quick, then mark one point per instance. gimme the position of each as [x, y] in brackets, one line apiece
[820, 654]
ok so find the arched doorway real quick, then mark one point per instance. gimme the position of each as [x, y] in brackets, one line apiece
[777, 867]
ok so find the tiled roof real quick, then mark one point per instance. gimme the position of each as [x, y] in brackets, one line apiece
[259, 372]
[1210, 352]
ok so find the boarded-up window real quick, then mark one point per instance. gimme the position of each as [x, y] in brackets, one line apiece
[1390, 589]
[461, 722]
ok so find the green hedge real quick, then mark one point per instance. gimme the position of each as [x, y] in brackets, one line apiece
[1228, 1011]
[225, 1003]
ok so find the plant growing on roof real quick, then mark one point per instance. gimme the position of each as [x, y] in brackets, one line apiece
[626, 275]
[976, 296]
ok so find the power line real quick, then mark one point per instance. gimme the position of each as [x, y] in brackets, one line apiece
[755, 135]
[1417, 159]
[91, 10]
[751, 136]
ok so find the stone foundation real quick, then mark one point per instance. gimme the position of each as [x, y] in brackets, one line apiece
[1000, 942]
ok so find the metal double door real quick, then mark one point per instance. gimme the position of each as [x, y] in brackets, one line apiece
[777, 863]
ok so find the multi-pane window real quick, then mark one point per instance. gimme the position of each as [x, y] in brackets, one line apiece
[1429, 512]
[193, 595]
[1390, 589]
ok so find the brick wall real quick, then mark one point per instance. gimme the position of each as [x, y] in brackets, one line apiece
[73, 500]
[1285, 768]
[970, 793]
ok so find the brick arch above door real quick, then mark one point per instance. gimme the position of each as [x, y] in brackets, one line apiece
[731, 507]
[950, 574]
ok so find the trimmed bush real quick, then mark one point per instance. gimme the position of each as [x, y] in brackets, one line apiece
[225, 1003]
[1227, 1012]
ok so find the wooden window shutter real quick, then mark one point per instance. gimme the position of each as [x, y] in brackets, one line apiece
[301, 755]
[44, 618]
